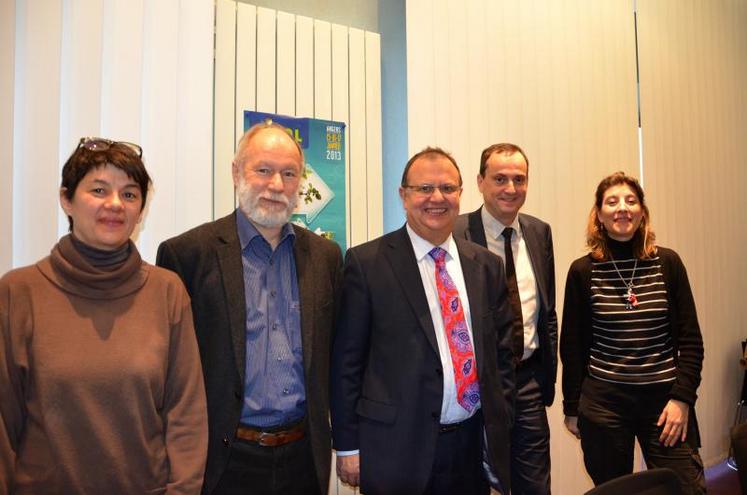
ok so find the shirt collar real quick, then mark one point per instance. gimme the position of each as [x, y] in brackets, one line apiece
[247, 231]
[494, 228]
[423, 247]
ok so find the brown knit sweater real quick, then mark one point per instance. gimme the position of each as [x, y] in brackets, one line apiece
[101, 388]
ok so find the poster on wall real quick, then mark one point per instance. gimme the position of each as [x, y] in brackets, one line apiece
[322, 205]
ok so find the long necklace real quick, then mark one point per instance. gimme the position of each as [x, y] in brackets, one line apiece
[631, 301]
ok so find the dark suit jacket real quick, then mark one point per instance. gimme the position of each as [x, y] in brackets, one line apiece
[387, 378]
[538, 238]
[208, 260]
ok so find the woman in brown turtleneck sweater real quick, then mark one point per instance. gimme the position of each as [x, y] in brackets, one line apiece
[100, 381]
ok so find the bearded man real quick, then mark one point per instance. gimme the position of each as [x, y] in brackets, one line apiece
[264, 296]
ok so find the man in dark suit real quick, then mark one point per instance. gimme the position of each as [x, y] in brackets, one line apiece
[528, 254]
[421, 367]
[264, 296]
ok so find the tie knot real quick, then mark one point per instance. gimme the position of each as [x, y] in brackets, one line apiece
[437, 254]
[507, 233]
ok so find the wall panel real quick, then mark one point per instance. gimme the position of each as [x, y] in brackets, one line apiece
[122, 69]
[35, 168]
[225, 116]
[80, 79]
[245, 65]
[286, 73]
[266, 62]
[357, 138]
[7, 62]
[693, 65]
[373, 135]
[340, 93]
[322, 70]
[304, 66]
[159, 107]
[194, 127]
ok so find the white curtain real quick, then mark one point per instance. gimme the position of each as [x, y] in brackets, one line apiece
[128, 70]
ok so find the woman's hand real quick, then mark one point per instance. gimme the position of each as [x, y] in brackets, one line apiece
[674, 418]
[571, 423]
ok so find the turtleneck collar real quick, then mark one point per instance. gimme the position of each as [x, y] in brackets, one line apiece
[72, 272]
[620, 250]
[106, 260]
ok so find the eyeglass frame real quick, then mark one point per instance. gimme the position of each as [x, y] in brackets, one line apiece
[429, 189]
[93, 141]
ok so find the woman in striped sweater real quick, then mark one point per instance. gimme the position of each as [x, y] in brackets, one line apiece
[630, 344]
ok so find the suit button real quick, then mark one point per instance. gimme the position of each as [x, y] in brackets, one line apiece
[435, 415]
[226, 441]
[237, 394]
[439, 371]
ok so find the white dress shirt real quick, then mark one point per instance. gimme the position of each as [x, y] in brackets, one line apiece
[451, 410]
[525, 279]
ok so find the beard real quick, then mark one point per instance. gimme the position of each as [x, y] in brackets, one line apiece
[266, 217]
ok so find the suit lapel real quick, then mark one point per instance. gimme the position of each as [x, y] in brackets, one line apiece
[534, 247]
[228, 250]
[476, 228]
[475, 287]
[401, 256]
[306, 292]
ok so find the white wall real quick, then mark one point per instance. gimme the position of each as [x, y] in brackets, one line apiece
[559, 79]
[124, 69]
[556, 78]
[694, 119]
[7, 62]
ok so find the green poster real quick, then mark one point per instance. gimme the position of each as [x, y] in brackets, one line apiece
[322, 204]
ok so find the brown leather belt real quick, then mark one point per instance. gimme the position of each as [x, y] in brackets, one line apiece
[271, 438]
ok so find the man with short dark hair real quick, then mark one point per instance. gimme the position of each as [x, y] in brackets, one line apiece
[421, 368]
[264, 296]
[525, 244]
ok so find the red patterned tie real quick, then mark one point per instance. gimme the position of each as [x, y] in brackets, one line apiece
[462, 356]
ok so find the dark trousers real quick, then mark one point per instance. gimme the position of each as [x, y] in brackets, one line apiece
[530, 436]
[284, 470]
[457, 464]
[611, 416]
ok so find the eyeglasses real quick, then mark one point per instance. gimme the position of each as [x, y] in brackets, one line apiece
[429, 189]
[102, 144]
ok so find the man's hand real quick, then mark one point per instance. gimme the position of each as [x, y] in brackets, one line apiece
[349, 469]
[571, 423]
[674, 418]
